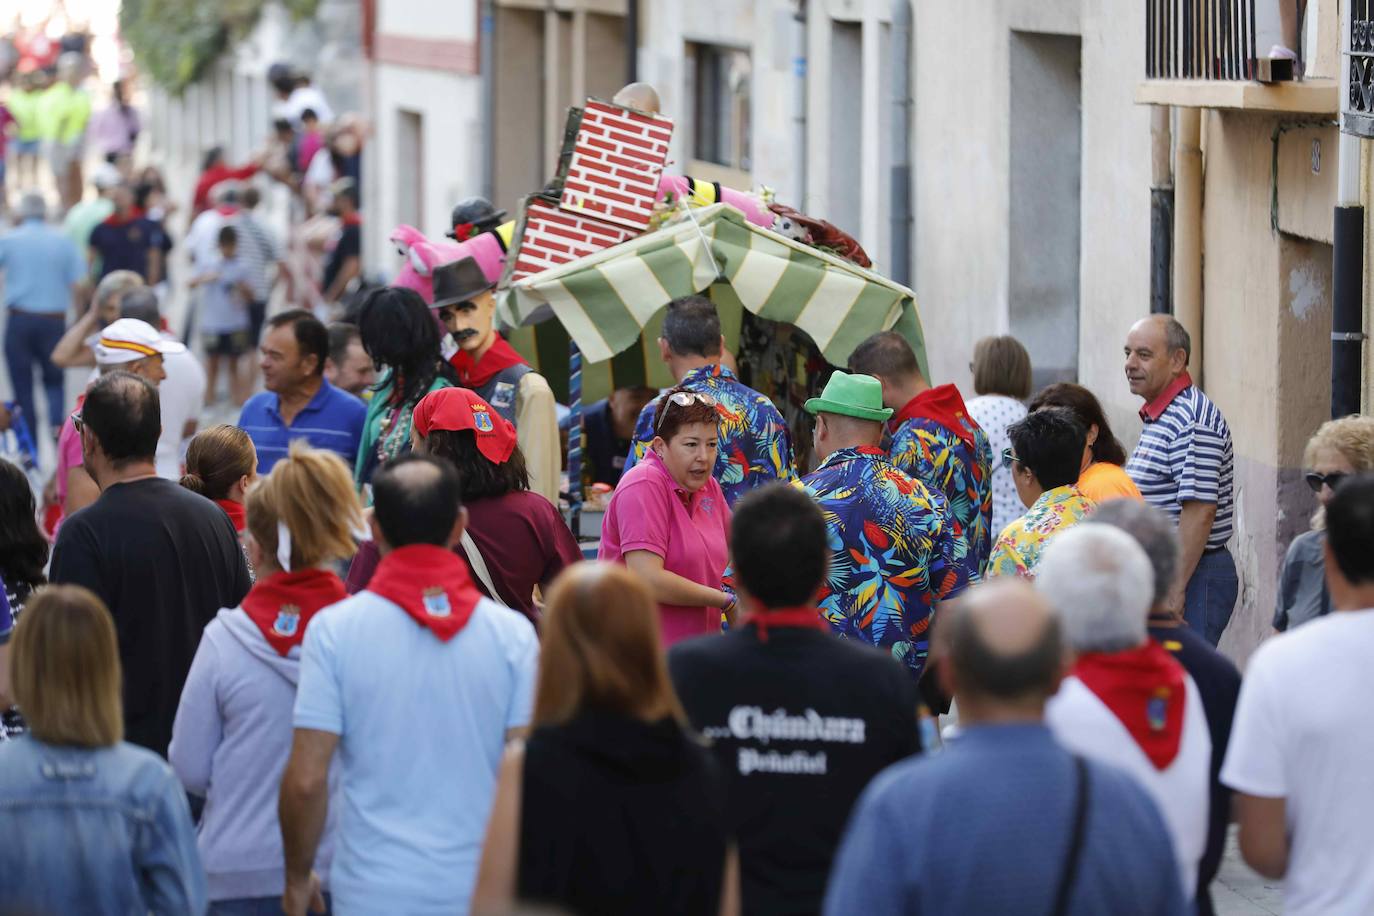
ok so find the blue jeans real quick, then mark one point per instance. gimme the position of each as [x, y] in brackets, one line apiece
[1211, 595]
[253, 906]
[29, 341]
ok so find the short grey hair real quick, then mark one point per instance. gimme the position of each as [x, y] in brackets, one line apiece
[115, 283]
[33, 206]
[1176, 337]
[1099, 582]
[1152, 530]
[141, 303]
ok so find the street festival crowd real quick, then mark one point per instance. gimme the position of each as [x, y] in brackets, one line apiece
[948, 655]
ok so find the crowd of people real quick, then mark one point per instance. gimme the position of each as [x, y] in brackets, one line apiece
[347, 653]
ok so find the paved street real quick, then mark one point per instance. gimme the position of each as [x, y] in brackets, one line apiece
[1239, 891]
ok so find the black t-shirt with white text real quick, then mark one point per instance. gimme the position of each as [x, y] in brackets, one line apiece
[800, 723]
[164, 560]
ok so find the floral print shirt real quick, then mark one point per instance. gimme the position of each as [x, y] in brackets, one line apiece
[755, 446]
[892, 553]
[1017, 551]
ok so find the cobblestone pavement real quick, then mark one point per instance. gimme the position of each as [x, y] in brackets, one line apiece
[1239, 891]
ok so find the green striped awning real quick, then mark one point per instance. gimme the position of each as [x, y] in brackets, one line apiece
[605, 300]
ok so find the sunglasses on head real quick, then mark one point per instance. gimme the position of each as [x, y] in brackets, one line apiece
[683, 399]
[1008, 456]
[1332, 480]
[78, 422]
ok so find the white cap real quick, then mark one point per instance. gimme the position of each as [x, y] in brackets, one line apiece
[129, 340]
[106, 176]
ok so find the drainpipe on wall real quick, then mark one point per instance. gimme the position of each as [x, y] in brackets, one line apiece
[1347, 281]
[1161, 212]
[632, 41]
[799, 99]
[486, 50]
[901, 141]
[1187, 254]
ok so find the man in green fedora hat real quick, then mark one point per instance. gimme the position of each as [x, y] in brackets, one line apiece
[894, 545]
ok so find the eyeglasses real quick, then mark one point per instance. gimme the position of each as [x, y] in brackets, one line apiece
[1008, 456]
[1332, 480]
[79, 423]
[683, 399]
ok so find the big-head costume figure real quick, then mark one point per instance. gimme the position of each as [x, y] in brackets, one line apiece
[465, 301]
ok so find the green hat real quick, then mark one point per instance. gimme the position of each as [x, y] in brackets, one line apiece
[858, 396]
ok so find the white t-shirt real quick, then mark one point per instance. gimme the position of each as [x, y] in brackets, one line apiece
[421, 726]
[202, 239]
[301, 98]
[182, 394]
[1181, 791]
[1303, 733]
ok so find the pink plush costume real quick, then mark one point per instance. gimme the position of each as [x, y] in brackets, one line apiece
[423, 254]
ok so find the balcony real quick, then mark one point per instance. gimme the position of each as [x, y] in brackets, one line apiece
[1357, 113]
[1215, 54]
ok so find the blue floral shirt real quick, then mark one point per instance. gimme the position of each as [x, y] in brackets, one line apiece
[892, 553]
[755, 446]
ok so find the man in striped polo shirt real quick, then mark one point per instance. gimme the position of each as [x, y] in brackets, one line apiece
[1183, 466]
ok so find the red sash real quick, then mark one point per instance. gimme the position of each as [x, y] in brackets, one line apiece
[500, 357]
[282, 604]
[943, 405]
[1144, 689]
[430, 584]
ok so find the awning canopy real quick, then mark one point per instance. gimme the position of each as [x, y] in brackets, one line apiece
[605, 300]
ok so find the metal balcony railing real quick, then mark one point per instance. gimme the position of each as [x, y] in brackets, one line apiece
[1358, 111]
[1201, 39]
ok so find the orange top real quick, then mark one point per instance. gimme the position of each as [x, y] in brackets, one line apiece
[1102, 481]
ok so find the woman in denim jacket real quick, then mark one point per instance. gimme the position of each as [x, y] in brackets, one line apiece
[93, 825]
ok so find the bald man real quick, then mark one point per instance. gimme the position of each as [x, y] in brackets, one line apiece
[1183, 466]
[1016, 822]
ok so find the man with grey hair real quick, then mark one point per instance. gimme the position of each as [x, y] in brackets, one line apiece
[1127, 703]
[1183, 466]
[1070, 834]
[74, 349]
[1217, 680]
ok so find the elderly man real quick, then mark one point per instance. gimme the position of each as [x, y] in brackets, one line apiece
[1045, 457]
[299, 402]
[465, 302]
[1128, 703]
[1004, 820]
[1218, 681]
[892, 549]
[43, 274]
[755, 445]
[1300, 752]
[163, 559]
[934, 439]
[1183, 465]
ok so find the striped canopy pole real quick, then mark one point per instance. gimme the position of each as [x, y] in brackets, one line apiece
[575, 437]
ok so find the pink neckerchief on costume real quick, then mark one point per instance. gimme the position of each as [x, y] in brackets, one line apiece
[1155, 409]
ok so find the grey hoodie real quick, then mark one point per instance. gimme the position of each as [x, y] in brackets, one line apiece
[230, 743]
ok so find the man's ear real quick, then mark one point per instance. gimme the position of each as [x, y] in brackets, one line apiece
[663, 351]
[377, 536]
[460, 525]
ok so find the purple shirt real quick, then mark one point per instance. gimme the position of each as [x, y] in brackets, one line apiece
[651, 511]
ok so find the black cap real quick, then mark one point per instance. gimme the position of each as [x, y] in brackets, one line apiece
[478, 212]
[458, 281]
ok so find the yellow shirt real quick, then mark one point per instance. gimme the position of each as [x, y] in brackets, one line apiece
[1102, 481]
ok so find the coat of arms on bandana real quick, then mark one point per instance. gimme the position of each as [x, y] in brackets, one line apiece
[436, 602]
[288, 620]
[482, 420]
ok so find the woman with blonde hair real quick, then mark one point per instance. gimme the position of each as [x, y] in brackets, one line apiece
[233, 729]
[611, 806]
[221, 464]
[1336, 450]
[94, 825]
[1001, 370]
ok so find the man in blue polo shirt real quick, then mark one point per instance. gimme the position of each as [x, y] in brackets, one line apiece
[298, 402]
[43, 271]
[1183, 466]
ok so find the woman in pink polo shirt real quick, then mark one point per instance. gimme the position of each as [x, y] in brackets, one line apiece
[668, 521]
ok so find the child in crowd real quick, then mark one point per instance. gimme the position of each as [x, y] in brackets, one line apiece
[224, 317]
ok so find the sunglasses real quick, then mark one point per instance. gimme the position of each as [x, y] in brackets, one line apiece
[1008, 456]
[1332, 480]
[79, 423]
[683, 399]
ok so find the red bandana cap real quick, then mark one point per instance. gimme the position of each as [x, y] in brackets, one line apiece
[458, 409]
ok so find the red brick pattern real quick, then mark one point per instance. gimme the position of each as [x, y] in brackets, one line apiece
[554, 236]
[616, 164]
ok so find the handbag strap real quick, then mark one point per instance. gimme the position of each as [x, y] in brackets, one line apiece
[1080, 816]
[479, 566]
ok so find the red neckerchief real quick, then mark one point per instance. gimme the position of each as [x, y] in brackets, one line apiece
[236, 512]
[1155, 409]
[943, 405]
[462, 232]
[1144, 689]
[114, 219]
[430, 584]
[352, 219]
[871, 450]
[283, 603]
[500, 357]
[803, 617]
